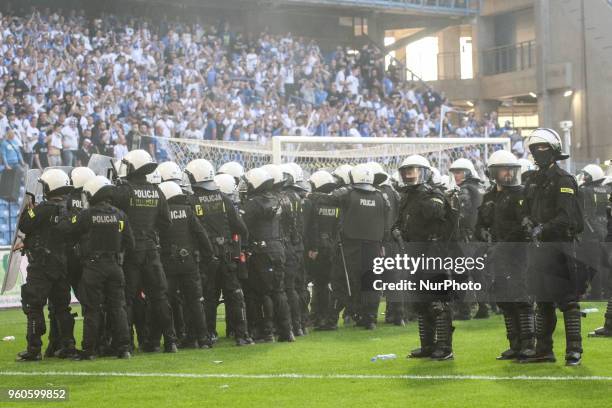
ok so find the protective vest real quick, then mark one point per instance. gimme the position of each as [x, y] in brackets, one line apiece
[326, 218]
[364, 218]
[46, 239]
[107, 224]
[507, 215]
[75, 202]
[209, 207]
[295, 215]
[179, 235]
[268, 227]
[143, 210]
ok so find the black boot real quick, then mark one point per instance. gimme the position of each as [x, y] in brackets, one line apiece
[426, 335]
[512, 334]
[28, 356]
[527, 333]
[546, 321]
[573, 339]
[606, 330]
[444, 337]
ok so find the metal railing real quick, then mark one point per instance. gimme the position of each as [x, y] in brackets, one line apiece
[509, 58]
[457, 7]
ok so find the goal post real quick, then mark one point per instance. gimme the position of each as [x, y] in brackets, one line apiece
[330, 151]
[326, 152]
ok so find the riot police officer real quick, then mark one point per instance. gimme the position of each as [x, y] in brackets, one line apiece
[555, 220]
[364, 226]
[296, 190]
[46, 278]
[218, 216]
[320, 240]
[148, 213]
[103, 233]
[183, 246]
[292, 228]
[227, 185]
[262, 215]
[395, 311]
[606, 329]
[424, 224]
[469, 197]
[78, 177]
[500, 225]
[592, 255]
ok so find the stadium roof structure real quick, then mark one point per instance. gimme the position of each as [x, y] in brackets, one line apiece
[423, 7]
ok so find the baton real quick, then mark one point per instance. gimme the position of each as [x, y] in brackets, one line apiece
[348, 283]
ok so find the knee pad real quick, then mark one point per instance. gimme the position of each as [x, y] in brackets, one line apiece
[30, 301]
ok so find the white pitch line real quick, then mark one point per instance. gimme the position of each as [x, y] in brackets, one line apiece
[304, 376]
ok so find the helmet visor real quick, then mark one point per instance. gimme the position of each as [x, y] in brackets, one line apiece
[507, 176]
[414, 175]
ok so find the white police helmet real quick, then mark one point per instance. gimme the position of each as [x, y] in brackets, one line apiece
[341, 174]
[276, 173]
[258, 180]
[380, 175]
[55, 182]
[170, 171]
[590, 173]
[201, 174]
[170, 189]
[96, 187]
[232, 168]
[362, 177]
[80, 176]
[322, 181]
[466, 166]
[415, 170]
[226, 183]
[137, 162]
[549, 137]
[504, 168]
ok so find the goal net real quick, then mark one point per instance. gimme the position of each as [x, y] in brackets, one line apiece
[325, 153]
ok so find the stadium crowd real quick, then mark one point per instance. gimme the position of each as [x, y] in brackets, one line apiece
[72, 86]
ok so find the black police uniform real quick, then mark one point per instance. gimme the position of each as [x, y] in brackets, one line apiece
[501, 215]
[425, 223]
[395, 308]
[262, 215]
[606, 329]
[103, 234]
[147, 210]
[218, 216]
[469, 199]
[46, 279]
[322, 237]
[363, 228]
[294, 252]
[74, 204]
[591, 251]
[553, 206]
[183, 246]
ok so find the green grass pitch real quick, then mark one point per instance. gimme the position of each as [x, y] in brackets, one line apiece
[473, 379]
